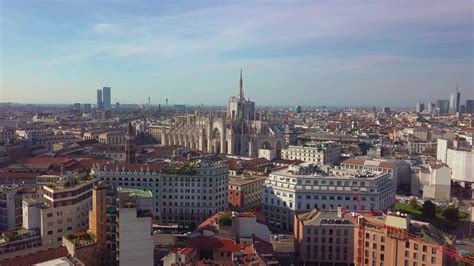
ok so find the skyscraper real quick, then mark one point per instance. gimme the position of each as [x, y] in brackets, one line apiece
[455, 102]
[430, 107]
[458, 100]
[470, 106]
[100, 103]
[420, 107]
[442, 106]
[107, 97]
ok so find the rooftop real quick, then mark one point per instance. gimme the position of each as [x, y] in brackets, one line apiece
[319, 218]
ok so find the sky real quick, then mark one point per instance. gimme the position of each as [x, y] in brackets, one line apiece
[334, 53]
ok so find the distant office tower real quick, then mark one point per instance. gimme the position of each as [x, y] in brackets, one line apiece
[443, 106]
[106, 97]
[100, 103]
[298, 109]
[77, 106]
[87, 107]
[420, 107]
[470, 106]
[386, 110]
[454, 103]
[430, 107]
[458, 99]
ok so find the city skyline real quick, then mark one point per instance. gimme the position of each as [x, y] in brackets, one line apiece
[310, 54]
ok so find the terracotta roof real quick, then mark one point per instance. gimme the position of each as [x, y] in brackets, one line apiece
[38, 257]
[137, 167]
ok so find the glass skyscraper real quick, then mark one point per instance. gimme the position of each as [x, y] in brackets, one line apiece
[106, 97]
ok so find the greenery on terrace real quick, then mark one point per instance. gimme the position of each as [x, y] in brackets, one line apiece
[183, 169]
[444, 218]
[80, 236]
[225, 219]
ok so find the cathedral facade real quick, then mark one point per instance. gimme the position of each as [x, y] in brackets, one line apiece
[237, 132]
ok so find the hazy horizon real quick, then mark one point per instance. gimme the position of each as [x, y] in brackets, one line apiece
[325, 53]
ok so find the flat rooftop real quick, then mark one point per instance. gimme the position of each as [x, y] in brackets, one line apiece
[244, 180]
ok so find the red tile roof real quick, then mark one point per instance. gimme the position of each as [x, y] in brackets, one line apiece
[38, 257]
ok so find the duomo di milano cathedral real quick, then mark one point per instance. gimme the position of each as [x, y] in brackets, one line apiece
[238, 132]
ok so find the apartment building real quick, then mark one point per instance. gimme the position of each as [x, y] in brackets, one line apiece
[6, 134]
[325, 237]
[245, 193]
[431, 181]
[113, 137]
[396, 240]
[306, 186]
[321, 153]
[46, 138]
[184, 193]
[398, 169]
[62, 207]
[246, 241]
[114, 152]
[120, 224]
[459, 156]
[11, 197]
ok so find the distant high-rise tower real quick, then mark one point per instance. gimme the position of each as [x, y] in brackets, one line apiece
[420, 107]
[430, 107]
[458, 99]
[442, 106]
[129, 146]
[100, 102]
[107, 97]
[455, 101]
[166, 101]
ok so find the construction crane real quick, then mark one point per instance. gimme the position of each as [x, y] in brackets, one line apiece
[404, 234]
[396, 233]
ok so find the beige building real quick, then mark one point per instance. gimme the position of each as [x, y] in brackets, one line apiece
[325, 237]
[114, 138]
[398, 169]
[318, 153]
[432, 181]
[62, 208]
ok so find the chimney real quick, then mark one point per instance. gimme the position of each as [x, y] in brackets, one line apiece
[339, 212]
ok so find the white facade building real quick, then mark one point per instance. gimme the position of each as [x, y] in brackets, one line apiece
[134, 239]
[317, 153]
[432, 181]
[181, 195]
[459, 156]
[305, 187]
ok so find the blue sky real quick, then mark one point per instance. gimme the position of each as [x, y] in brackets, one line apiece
[359, 53]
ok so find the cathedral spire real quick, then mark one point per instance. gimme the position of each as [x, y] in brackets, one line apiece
[241, 92]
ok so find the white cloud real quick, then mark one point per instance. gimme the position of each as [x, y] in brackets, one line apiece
[102, 28]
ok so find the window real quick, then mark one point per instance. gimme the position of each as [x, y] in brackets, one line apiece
[50, 232]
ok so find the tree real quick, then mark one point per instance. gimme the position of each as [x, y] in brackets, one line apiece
[451, 213]
[428, 210]
[225, 219]
[414, 203]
